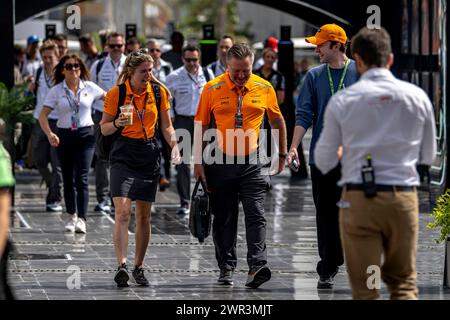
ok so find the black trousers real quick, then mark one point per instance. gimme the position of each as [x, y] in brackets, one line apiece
[75, 150]
[184, 169]
[326, 194]
[101, 167]
[230, 184]
[43, 154]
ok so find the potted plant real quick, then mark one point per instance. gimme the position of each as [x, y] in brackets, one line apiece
[15, 105]
[441, 216]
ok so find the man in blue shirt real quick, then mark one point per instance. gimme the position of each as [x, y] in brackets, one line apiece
[336, 72]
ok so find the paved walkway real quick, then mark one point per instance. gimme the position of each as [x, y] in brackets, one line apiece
[47, 259]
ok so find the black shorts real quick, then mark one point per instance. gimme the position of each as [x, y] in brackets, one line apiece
[135, 169]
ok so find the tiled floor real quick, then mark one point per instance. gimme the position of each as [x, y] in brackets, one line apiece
[48, 260]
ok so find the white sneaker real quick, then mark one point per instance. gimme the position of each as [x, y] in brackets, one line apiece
[80, 226]
[70, 222]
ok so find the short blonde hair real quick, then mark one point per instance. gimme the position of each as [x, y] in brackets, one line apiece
[133, 61]
[49, 45]
[240, 51]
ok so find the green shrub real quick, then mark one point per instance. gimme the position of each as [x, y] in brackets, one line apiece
[14, 103]
[441, 216]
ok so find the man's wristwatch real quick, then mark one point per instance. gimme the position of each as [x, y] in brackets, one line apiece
[282, 155]
[114, 124]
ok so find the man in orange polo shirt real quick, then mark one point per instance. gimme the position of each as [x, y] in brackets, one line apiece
[234, 105]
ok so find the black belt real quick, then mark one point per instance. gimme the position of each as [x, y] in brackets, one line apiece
[138, 141]
[381, 187]
[186, 117]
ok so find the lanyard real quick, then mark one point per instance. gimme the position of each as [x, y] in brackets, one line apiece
[341, 82]
[116, 69]
[48, 80]
[141, 116]
[73, 104]
[197, 83]
[241, 94]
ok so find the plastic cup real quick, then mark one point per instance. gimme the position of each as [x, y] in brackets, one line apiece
[127, 114]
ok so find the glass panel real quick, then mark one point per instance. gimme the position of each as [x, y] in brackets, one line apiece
[437, 33]
[405, 28]
[425, 28]
[415, 27]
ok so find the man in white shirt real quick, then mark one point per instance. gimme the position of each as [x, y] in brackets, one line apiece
[32, 58]
[43, 152]
[161, 68]
[186, 85]
[105, 72]
[218, 67]
[384, 133]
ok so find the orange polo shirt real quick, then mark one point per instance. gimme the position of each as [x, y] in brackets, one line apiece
[135, 131]
[220, 96]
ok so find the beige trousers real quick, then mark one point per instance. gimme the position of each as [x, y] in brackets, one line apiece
[386, 225]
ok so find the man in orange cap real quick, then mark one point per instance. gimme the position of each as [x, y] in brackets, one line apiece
[336, 72]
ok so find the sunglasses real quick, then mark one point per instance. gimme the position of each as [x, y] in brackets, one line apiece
[70, 66]
[154, 50]
[113, 46]
[190, 60]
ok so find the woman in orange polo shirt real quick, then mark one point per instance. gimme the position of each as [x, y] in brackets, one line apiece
[135, 157]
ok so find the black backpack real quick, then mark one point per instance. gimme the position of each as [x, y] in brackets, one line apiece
[206, 73]
[103, 144]
[99, 66]
[38, 75]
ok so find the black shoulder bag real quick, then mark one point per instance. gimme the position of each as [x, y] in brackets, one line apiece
[200, 214]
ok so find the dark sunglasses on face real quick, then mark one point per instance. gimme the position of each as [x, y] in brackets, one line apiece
[190, 60]
[70, 66]
[118, 46]
[154, 50]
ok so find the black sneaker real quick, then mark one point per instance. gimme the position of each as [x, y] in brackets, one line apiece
[326, 282]
[122, 277]
[139, 278]
[225, 277]
[257, 276]
[103, 206]
[183, 210]
[53, 207]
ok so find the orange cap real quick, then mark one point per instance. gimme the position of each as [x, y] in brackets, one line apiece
[328, 32]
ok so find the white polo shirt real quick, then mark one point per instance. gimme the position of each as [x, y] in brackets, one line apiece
[107, 76]
[62, 100]
[44, 83]
[186, 90]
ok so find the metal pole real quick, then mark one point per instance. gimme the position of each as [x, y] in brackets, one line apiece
[286, 67]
